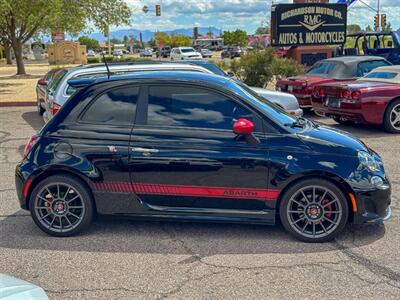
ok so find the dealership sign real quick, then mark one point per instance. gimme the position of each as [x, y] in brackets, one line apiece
[308, 24]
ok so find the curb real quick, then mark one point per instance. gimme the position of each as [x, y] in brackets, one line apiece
[17, 103]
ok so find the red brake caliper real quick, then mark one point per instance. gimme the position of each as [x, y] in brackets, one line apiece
[328, 208]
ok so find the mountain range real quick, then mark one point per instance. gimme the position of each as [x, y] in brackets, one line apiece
[147, 35]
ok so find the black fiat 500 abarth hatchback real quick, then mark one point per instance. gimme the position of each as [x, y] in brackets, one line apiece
[190, 146]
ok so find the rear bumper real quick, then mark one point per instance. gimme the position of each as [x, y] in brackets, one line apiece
[355, 115]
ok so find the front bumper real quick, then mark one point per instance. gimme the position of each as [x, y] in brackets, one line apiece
[373, 206]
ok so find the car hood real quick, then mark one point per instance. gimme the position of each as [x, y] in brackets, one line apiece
[331, 141]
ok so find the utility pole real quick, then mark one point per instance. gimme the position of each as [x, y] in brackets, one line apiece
[379, 18]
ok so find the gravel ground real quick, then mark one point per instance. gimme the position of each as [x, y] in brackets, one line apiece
[127, 259]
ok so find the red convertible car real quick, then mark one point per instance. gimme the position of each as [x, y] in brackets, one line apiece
[372, 99]
[337, 69]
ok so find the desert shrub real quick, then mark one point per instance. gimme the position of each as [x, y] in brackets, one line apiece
[258, 67]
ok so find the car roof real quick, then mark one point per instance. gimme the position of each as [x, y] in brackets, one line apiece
[157, 76]
[352, 59]
[126, 66]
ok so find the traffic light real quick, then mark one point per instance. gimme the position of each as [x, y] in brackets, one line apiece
[158, 10]
[376, 22]
[383, 21]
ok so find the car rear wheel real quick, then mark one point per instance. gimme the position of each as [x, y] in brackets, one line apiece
[61, 206]
[314, 210]
[391, 120]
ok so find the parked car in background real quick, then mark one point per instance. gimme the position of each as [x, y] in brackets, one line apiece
[196, 147]
[59, 90]
[206, 53]
[118, 52]
[41, 88]
[182, 53]
[91, 53]
[231, 52]
[164, 52]
[337, 69]
[285, 101]
[372, 99]
[146, 52]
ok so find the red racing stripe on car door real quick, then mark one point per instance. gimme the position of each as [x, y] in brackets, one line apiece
[187, 190]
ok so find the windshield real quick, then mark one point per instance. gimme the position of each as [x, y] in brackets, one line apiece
[323, 68]
[213, 68]
[275, 112]
[381, 75]
[186, 50]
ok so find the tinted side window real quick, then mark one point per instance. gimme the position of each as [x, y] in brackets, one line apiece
[367, 66]
[115, 107]
[193, 107]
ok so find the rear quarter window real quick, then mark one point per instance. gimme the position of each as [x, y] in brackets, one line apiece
[113, 107]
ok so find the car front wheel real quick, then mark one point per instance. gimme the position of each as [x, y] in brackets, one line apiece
[314, 210]
[60, 205]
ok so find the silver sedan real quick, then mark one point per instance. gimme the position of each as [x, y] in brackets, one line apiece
[286, 101]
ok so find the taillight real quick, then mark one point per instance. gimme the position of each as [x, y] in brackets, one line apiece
[319, 92]
[355, 95]
[322, 92]
[29, 145]
[308, 90]
[346, 94]
[55, 108]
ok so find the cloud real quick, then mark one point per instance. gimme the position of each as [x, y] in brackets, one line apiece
[232, 14]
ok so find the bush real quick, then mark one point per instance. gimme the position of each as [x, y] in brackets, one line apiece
[93, 60]
[258, 67]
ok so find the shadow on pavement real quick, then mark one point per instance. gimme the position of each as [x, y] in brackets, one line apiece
[201, 239]
[360, 130]
[33, 119]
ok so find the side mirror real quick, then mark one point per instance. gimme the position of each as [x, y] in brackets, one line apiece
[42, 81]
[243, 127]
[230, 74]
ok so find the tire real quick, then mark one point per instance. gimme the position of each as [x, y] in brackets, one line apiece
[61, 206]
[304, 221]
[39, 108]
[390, 122]
[342, 121]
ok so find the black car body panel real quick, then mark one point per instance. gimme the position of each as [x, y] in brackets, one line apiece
[195, 173]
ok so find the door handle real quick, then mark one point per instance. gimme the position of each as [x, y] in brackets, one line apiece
[145, 151]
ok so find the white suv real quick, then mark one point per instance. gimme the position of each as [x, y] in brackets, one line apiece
[182, 53]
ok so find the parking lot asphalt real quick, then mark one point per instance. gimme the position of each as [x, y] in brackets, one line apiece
[128, 259]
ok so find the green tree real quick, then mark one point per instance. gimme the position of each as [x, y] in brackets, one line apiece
[163, 38]
[368, 28]
[90, 43]
[180, 40]
[235, 38]
[262, 30]
[21, 20]
[353, 28]
[115, 41]
[210, 34]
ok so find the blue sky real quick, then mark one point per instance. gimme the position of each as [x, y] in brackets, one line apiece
[232, 14]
